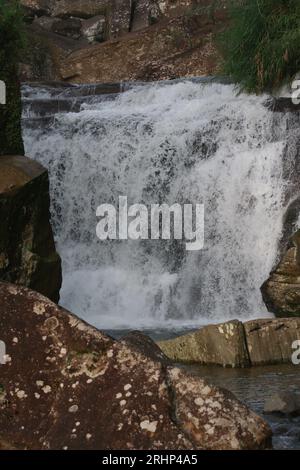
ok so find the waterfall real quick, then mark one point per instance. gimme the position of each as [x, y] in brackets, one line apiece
[186, 141]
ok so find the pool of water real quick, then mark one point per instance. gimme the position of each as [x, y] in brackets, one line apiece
[253, 386]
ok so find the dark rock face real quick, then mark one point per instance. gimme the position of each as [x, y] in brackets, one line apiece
[287, 403]
[65, 385]
[281, 292]
[237, 344]
[27, 251]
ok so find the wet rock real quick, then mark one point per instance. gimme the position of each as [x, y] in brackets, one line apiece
[270, 341]
[223, 344]
[69, 386]
[27, 251]
[281, 292]
[287, 403]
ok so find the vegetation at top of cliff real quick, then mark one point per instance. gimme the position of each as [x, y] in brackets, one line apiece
[261, 47]
[12, 41]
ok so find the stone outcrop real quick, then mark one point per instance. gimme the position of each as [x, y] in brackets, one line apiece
[140, 40]
[270, 341]
[222, 344]
[66, 385]
[27, 251]
[237, 344]
[281, 292]
[175, 49]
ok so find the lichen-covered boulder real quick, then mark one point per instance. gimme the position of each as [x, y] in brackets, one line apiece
[222, 344]
[66, 385]
[281, 292]
[27, 252]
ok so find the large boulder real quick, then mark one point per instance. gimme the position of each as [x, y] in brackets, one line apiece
[27, 251]
[66, 385]
[281, 292]
[223, 344]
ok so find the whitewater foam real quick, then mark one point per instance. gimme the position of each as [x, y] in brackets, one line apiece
[181, 142]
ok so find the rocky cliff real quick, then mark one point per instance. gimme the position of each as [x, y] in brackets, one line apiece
[103, 40]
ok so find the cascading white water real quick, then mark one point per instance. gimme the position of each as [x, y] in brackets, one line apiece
[182, 142]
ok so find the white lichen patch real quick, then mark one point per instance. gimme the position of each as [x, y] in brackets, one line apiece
[73, 409]
[21, 394]
[122, 402]
[39, 308]
[198, 401]
[127, 387]
[149, 426]
[46, 389]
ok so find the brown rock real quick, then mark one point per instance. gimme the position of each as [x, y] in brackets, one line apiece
[270, 341]
[223, 344]
[70, 386]
[178, 48]
[27, 251]
[281, 292]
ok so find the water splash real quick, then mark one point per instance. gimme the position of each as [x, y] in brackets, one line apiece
[180, 142]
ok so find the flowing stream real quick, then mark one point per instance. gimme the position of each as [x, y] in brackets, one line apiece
[189, 141]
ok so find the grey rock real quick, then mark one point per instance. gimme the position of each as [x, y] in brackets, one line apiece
[287, 403]
[223, 344]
